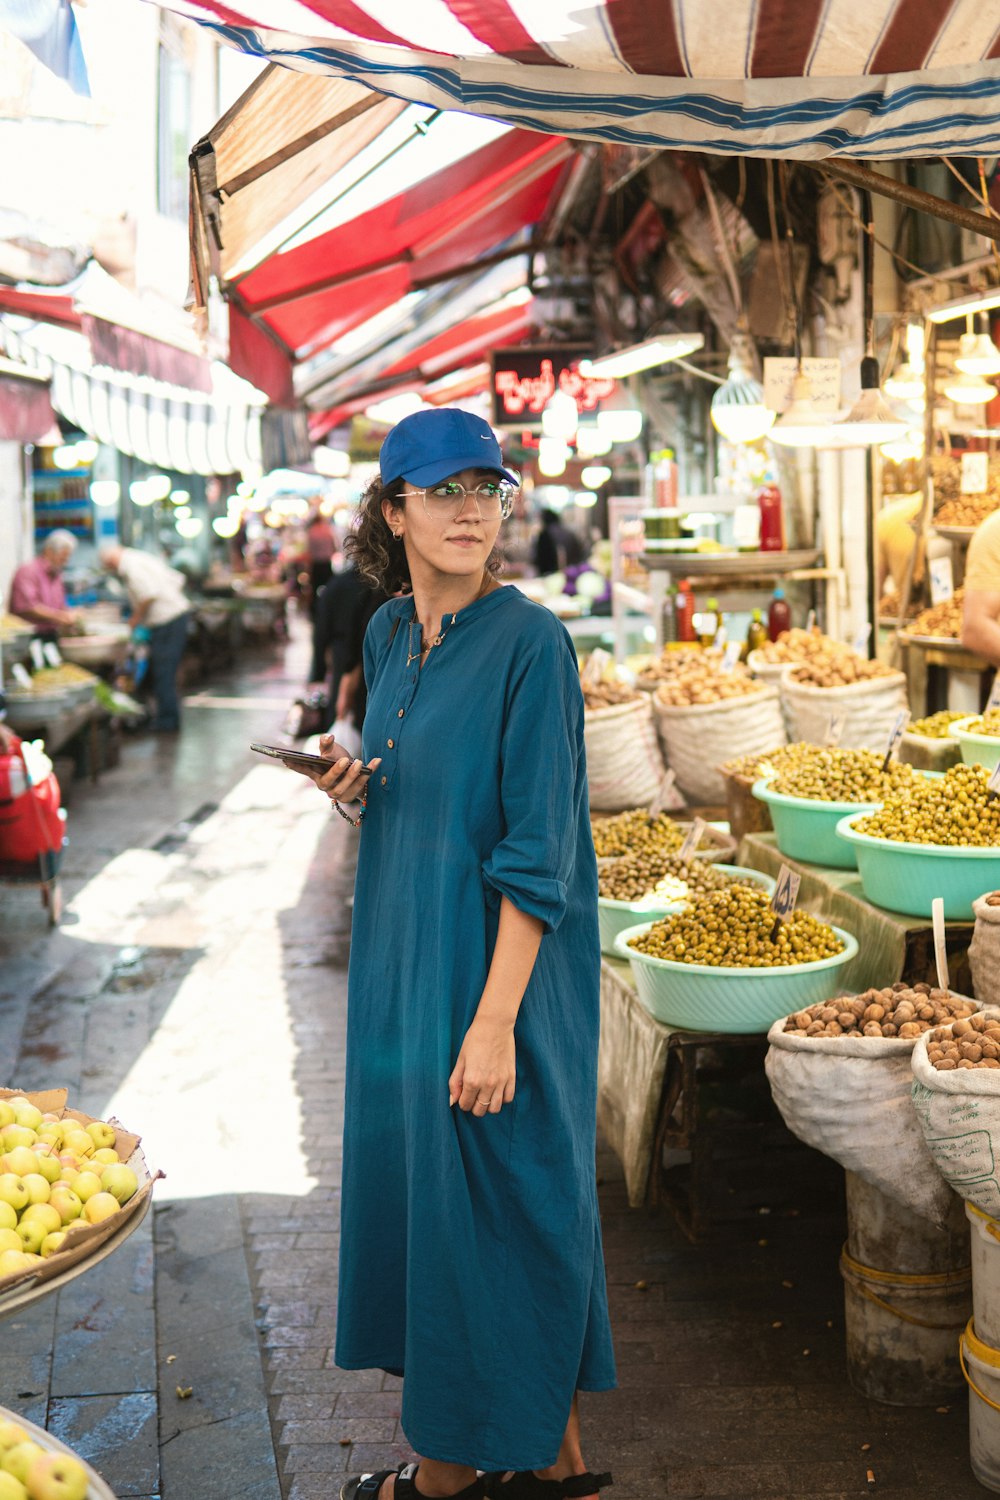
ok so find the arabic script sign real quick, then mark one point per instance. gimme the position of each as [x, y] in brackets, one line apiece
[524, 380]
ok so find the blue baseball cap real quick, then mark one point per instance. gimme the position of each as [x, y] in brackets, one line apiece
[430, 446]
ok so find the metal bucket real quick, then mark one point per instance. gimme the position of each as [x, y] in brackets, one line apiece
[981, 1368]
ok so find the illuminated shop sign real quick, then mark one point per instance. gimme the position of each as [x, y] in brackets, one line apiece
[523, 381]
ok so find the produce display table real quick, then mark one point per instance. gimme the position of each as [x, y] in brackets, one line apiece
[97, 1490]
[892, 946]
[23, 1295]
[59, 728]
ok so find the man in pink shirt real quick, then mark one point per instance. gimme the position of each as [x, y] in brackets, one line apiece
[36, 590]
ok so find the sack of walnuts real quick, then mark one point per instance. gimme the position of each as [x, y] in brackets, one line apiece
[840, 1075]
[984, 950]
[956, 1100]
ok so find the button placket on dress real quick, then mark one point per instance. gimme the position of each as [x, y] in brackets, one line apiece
[388, 746]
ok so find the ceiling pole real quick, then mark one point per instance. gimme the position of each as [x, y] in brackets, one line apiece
[863, 177]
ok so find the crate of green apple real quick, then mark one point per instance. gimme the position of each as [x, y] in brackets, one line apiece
[36, 1466]
[68, 1183]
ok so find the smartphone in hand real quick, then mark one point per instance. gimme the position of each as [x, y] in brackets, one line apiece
[301, 760]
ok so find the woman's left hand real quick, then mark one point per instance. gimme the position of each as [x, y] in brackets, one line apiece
[482, 1080]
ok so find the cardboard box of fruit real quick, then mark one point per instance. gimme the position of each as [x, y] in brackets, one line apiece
[47, 1152]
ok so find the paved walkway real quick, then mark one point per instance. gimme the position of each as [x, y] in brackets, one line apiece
[197, 987]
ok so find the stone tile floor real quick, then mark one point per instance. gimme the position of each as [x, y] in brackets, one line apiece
[198, 985]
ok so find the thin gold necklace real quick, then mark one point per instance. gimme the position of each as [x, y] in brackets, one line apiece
[425, 647]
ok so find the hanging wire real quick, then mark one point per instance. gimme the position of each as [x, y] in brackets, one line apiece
[772, 214]
[789, 251]
[867, 229]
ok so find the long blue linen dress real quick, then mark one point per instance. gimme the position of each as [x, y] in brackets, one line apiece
[471, 1252]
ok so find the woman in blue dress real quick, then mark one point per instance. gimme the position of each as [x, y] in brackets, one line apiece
[471, 1258]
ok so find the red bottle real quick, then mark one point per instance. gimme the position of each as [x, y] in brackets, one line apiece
[772, 519]
[684, 612]
[779, 616]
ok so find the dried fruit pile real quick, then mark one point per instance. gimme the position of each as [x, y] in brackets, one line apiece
[655, 872]
[608, 694]
[900, 1010]
[943, 620]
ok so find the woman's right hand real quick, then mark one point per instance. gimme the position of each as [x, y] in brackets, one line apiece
[344, 781]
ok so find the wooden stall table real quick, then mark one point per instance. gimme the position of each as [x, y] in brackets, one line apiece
[932, 662]
[57, 729]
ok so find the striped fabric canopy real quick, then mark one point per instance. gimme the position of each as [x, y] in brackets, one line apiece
[793, 78]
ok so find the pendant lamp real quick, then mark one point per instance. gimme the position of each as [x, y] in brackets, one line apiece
[977, 354]
[801, 425]
[738, 411]
[969, 390]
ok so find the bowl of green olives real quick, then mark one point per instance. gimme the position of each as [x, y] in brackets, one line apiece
[667, 893]
[719, 965]
[942, 838]
[979, 738]
[808, 796]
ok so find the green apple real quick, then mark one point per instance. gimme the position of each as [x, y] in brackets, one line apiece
[26, 1113]
[11, 1488]
[100, 1207]
[69, 1159]
[13, 1191]
[8, 1216]
[11, 1433]
[51, 1131]
[10, 1240]
[38, 1188]
[79, 1142]
[18, 1460]
[51, 1243]
[106, 1155]
[86, 1184]
[21, 1161]
[66, 1203]
[6, 1113]
[16, 1135]
[31, 1234]
[13, 1261]
[121, 1182]
[43, 1213]
[102, 1134]
[49, 1167]
[57, 1476]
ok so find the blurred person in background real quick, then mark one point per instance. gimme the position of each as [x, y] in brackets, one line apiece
[321, 545]
[340, 618]
[557, 545]
[160, 607]
[37, 592]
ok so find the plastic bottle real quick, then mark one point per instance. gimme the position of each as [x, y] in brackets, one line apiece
[664, 479]
[670, 616]
[772, 519]
[779, 616]
[684, 612]
[709, 622]
[756, 635]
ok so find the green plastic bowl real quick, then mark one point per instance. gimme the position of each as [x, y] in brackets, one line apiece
[614, 916]
[977, 749]
[698, 997]
[907, 877]
[806, 829]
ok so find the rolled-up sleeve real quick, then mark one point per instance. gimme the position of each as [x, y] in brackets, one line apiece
[541, 777]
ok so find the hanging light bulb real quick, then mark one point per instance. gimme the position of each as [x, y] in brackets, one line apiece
[591, 442]
[105, 491]
[560, 417]
[905, 384]
[618, 419]
[738, 410]
[552, 457]
[801, 425]
[871, 419]
[977, 353]
[969, 390]
[594, 475]
[140, 494]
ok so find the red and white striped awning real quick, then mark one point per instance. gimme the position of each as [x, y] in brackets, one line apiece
[793, 78]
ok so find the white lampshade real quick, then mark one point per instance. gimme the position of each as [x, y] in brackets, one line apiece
[801, 425]
[620, 424]
[905, 384]
[969, 390]
[594, 475]
[738, 411]
[977, 355]
[553, 455]
[591, 442]
[584, 499]
[871, 420]
[560, 417]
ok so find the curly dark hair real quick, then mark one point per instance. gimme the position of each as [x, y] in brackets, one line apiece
[379, 556]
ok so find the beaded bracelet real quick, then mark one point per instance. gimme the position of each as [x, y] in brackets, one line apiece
[354, 822]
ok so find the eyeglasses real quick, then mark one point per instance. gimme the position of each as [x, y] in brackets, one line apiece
[493, 497]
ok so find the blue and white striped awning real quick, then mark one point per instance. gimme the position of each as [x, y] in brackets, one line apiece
[793, 78]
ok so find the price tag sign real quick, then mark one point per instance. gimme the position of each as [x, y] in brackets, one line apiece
[835, 730]
[786, 893]
[37, 655]
[811, 620]
[692, 838]
[595, 666]
[730, 656]
[720, 638]
[20, 676]
[779, 378]
[975, 473]
[895, 735]
[51, 652]
[940, 951]
[994, 698]
[942, 580]
[993, 785]
[861, 639]
[667, 796]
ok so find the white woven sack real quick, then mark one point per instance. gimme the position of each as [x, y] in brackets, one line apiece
[697, 739]
[959, 1114]
[624, 764]
[849, 1097]
[870, 709]
[984, 953]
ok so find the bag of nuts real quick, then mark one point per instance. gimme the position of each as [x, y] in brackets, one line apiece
[840, 1075]
[624, 764]
[697, 738]
[956, 1101]
[870, 709]
[984, 950]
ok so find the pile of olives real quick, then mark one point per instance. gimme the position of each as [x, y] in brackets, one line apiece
[751, 768]
[656, 872]
[635, 829]
[836, 775]
[935, 726]
[952, 810]
[987, 723]
[733, 929]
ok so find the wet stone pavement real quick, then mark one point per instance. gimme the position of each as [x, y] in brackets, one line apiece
[198, 988]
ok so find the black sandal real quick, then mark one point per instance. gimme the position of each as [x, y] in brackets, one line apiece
[367, 1486]
[526, 1485]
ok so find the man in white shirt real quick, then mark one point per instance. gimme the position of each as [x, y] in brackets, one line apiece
[159, 603]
